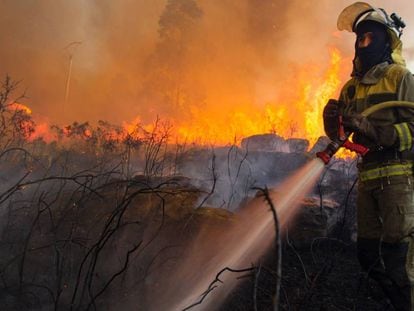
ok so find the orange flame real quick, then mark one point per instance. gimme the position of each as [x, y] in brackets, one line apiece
[298, 113]
[19, 107]
[42, 131]
[299, 117]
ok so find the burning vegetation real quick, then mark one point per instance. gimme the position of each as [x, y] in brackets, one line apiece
[114, 212]
[115, 215]
[296, 117]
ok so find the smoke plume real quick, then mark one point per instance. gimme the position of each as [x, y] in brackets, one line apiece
[138, 58]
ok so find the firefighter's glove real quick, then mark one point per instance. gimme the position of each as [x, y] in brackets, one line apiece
[331, 119]
[384, 136]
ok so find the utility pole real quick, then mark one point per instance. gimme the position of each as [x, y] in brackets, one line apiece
[70, 48]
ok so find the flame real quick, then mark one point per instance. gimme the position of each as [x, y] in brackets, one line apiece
[297, 113]
[327, 90]
[299, 116]
[42, 131]
[19, 107]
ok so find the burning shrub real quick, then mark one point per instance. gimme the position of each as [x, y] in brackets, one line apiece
[16, 123]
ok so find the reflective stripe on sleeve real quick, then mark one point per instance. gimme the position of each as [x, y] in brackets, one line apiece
[404, 135]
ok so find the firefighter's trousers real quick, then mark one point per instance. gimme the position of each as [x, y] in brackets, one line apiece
[385, 208]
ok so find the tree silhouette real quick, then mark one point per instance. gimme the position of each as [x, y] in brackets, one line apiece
[169, 83]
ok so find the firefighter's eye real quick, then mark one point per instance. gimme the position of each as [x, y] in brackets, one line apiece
[365, 36]
[365, 39]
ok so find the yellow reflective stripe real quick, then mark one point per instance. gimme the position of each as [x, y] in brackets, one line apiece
[385, 171]
[404, 135]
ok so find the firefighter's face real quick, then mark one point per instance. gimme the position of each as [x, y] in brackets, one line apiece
[364, 39]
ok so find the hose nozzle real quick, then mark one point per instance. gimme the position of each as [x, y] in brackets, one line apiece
[330, 150]
[333, 147]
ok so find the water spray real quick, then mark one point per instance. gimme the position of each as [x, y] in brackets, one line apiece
[246, 241]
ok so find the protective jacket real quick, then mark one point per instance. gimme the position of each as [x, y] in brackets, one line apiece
[385, 189]
[384, 82]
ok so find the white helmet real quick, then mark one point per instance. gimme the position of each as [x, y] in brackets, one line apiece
[352, 15]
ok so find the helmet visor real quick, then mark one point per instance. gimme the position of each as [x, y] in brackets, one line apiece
[351, 13]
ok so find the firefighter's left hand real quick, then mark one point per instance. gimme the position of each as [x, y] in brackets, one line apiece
[382, 135]
[331, 119]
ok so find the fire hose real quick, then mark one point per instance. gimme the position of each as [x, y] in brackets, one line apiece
[343, 139]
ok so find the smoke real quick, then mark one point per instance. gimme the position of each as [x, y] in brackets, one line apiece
[168, 58]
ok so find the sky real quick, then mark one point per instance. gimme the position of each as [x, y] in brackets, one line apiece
[234, 51]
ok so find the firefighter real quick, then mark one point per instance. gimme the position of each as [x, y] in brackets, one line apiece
[385, 200]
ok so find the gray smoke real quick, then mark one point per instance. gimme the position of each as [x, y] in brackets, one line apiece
[238, 49]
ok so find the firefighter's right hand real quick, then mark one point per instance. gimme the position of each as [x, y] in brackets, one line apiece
[385, 136]
[331, 121]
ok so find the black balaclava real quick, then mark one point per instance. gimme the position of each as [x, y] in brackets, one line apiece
[376, 52]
